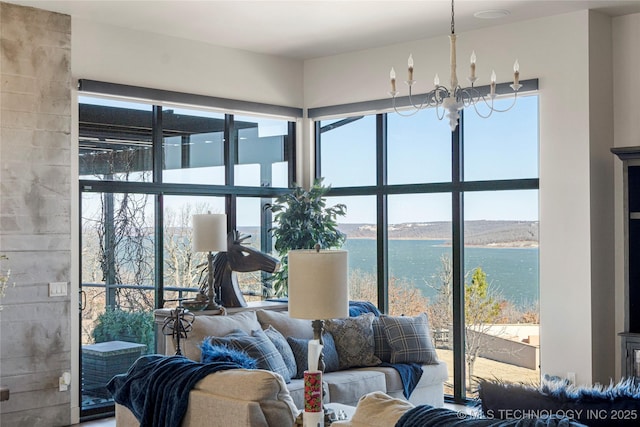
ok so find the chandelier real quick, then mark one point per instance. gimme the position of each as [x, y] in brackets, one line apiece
[451, 100]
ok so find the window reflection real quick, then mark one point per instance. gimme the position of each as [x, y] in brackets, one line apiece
[114, 140]
[261, 151]
[193, 146]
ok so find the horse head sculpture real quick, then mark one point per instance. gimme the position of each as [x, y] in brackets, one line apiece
[238, 258]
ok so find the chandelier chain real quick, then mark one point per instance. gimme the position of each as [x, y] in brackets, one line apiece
[453, 25]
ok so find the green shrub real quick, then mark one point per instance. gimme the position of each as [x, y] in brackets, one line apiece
[303, 220]
[120, 325]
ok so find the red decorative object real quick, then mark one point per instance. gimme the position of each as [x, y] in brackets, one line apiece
[313, 391]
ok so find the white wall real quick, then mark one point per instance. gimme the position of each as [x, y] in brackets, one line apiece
[118, 55]
[555, 50]
[603, 333]
[626, 114]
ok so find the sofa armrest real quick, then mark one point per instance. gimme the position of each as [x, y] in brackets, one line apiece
[266, 388]
[233, 397]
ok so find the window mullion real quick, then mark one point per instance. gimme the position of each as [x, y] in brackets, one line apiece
[382, 214]
[457, 222]
[230, 160]
[157, 144]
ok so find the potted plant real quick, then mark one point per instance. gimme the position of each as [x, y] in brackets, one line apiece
[120, 325]
[303, 220]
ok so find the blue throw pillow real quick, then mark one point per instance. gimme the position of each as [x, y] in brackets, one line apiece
[300, 349]
[283, 347]
[258, 346]
[220, 353]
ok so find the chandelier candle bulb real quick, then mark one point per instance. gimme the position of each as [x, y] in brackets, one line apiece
[516, 73]
[410, 63]
[473, 66]
[392, 76]
[493, 84]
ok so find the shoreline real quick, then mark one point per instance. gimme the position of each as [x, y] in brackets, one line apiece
[498, 245]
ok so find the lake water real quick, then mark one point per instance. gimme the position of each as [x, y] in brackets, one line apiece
[512, 271]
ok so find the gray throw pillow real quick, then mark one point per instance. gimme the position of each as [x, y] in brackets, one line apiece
[283, 347]
[300, 349]
[409, 339]
[354, 340]
[257, 346]
[382, 349]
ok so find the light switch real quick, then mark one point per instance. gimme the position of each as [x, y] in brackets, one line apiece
[57, 289]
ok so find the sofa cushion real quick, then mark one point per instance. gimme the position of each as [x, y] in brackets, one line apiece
[280, 342]
[409, 339]
[354, 340]
[300, 349]
[297, 328]
[258, 346]
[348, 386]
[205, 326]
[377, 409]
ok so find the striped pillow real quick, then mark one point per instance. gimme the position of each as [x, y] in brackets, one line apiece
[257, 346]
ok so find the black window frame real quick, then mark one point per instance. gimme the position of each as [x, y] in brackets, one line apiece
[457, 187]
[158, 189]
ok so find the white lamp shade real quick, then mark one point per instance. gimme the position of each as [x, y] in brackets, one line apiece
[210, 233]
[318, 284]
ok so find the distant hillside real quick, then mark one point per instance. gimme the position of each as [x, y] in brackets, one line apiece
[477, 233]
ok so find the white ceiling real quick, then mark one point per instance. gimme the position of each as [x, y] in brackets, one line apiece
[310, 29]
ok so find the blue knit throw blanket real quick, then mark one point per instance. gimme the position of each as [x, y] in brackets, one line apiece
[156, 388]
[424, 415]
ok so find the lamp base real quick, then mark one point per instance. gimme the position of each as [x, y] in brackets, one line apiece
[211, 292]
[318, 330]
[330, 416]
[213, 306]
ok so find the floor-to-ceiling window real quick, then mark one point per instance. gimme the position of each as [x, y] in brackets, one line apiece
[445, 223]
[145, 170]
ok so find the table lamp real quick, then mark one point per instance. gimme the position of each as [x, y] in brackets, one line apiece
[210, 235]
[318, 290]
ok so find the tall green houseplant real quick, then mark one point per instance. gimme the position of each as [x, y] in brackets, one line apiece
[303, 220]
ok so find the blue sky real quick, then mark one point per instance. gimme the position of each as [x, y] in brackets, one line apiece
[504, 146]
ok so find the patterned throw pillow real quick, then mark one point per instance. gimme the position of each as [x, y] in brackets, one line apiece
[300, 349]
[283, 348]
[382, 349]
[409, 339]
[354, 340]
[257, 346]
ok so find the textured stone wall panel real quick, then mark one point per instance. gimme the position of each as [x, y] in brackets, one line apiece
[35, 212]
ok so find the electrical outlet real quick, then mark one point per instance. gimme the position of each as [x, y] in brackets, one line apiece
[57, 289]
[64, 381]
[571, 377]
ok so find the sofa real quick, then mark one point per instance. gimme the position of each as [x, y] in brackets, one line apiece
[378, 409]
[261, 397]
[613, 405]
